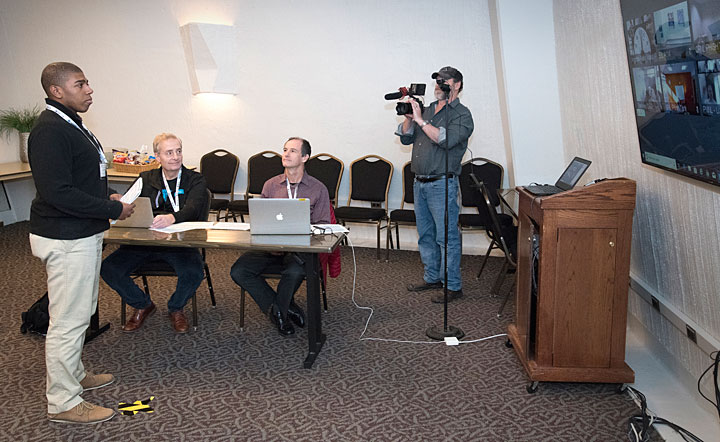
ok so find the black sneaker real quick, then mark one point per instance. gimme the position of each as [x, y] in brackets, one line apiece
[452, 295]
[424, 286]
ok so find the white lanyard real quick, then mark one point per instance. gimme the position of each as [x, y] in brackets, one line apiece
[174, 202]
[92, 140]
[290, 195]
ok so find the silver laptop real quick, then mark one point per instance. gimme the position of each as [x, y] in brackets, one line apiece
[141, 217]
[567, 180]
[279, 216]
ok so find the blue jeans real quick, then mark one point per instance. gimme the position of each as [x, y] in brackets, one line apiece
[187, 263]
[247, 271]
[430, 220]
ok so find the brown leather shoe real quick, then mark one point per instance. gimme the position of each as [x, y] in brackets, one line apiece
[137, 318]
[179, 321]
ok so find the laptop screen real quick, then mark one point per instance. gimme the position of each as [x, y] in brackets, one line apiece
[572, 174]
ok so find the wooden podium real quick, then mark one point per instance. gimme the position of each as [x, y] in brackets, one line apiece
[573, 273]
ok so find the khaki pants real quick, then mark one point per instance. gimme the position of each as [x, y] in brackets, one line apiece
[73, 269]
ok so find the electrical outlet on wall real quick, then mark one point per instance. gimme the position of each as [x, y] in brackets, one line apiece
[691, 333]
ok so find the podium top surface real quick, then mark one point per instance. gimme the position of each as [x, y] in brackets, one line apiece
[610, 194]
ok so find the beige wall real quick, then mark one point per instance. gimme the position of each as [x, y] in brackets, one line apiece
[317, 69]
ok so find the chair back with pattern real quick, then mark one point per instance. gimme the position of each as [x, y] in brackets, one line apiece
[408, 185]
[261, 167]
[328, 169]
[220, 168]
[370, 179]
[489, 173]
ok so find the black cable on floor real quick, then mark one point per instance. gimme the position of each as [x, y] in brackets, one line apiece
[714, 366]
[640, 424]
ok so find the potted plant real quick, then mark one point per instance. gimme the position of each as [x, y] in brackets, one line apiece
[21, 121]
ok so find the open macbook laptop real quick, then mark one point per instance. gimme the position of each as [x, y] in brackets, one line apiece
[567, 180]
[279, 216]
[141, 217]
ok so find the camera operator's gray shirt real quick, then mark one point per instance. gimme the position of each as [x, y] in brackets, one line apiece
[428, 157]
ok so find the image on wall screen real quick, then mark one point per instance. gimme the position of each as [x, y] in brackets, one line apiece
[673, 51]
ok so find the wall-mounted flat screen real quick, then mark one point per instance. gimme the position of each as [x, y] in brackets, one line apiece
[673, 50]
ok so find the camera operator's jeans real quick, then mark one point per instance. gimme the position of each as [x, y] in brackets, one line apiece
[430, 220]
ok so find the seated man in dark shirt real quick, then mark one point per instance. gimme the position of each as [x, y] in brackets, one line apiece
[293, 183]
[177, 194]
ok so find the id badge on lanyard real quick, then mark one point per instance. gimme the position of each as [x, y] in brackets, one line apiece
[174, 202]
[290, 195]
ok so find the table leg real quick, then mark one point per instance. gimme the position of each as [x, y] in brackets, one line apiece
[316, 338]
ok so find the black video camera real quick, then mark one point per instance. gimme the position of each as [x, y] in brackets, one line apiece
[415, 90]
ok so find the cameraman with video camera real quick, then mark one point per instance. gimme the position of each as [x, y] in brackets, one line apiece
[441, 129]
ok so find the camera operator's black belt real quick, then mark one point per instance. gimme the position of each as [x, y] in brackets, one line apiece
[431, 178]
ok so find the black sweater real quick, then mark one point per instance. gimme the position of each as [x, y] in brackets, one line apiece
[192, 199]
[72, 200]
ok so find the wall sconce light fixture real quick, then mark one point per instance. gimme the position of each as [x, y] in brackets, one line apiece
[210, 52]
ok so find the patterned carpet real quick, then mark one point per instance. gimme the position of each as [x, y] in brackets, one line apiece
[221, 384]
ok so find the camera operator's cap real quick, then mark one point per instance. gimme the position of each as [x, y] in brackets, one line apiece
[447, 73]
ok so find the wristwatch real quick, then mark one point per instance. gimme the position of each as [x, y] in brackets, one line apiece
[424, 123]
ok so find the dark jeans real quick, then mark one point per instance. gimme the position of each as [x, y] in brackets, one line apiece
[187, 263]
[247, 270]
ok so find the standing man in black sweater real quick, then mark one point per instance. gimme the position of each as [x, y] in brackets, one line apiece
[67, 219]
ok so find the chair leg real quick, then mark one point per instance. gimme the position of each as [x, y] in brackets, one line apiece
[507, 296]
[242, 309]
[487, 254]
[388, 237]
[210, 286]
[500, 278]
[122, 312]
[397, 235]
[195, 311]
[145, 285]
[378, 241]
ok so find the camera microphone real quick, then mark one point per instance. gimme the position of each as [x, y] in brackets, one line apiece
[403, 91]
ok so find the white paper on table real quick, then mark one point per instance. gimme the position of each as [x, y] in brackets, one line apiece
[231, 226]
[184, 227]
[327, 229]
[133, 192]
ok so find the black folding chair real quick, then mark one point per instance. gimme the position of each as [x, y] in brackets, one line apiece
[489, 173]
[261, 167]
[327, 169]
[401, 216]
[503, 233]
[369, 182]
[220, 169]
